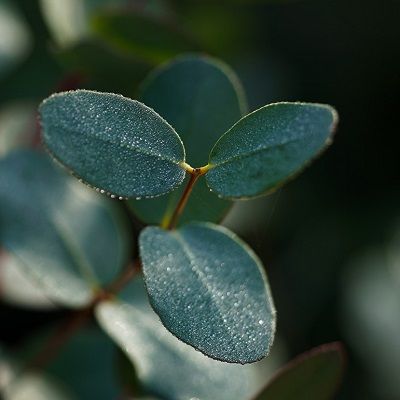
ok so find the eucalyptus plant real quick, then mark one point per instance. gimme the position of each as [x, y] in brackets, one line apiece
[178, 156]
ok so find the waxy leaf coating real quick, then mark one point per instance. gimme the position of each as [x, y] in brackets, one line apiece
[209, 290]
[165, 366]
[267, 147]
[66, 238]
[113, 143]
[201, 98]
[312, 375]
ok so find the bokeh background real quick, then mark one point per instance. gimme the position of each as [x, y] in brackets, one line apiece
[330, 238]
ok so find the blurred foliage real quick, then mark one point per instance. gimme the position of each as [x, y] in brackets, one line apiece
[312, 232]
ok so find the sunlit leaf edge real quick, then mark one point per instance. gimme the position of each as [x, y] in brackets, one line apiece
[335, 121]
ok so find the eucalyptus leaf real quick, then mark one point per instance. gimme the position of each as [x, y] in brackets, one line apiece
[65, 237]
[167, 367]
[115, 144]
[267, 147]
[209, 290]
[201, 98]
[103, 67]
[313, 375]
[151, 39]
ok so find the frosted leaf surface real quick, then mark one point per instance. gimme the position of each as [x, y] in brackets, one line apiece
[209, 290]
[165, 366]
[113, 143]
[65, 237]
[201, 98]
[267, 147]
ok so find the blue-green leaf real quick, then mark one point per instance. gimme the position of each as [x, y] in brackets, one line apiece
[313, 375]
[165, 366]
[201, 97]
[113, 143]
[209, 290]
[66, 238]
[267, 147]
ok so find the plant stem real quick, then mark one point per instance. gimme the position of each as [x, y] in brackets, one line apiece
[171, 222]
[79, 318]
[182, 202]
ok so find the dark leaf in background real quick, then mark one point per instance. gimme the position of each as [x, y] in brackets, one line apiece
[201, 98]
[150, 39]
[314, 375]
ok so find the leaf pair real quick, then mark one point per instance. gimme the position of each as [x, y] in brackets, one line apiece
[126, 149]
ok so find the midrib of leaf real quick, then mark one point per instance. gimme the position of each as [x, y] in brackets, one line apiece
[255, 151]
[129, 147]
[192, 259]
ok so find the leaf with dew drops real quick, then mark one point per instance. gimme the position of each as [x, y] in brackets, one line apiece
[209, 290]
[268, 146]
[113, 143]
[165, 366]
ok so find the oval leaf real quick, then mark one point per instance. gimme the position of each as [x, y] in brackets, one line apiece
[209, 290]
[313, 375]
[165, 366]
[113, 143]
[201, 97]
[267, 147]
[65, 237]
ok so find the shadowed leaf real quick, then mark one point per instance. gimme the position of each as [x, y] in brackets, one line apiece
[201, 97]
[314, 375]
